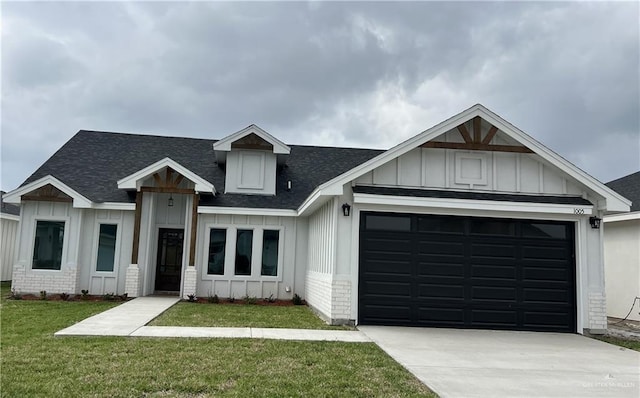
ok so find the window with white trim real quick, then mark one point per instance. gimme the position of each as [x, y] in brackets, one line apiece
[217, 244]
[47, 248]
[106, 247]
[244, 251]
[270, 243]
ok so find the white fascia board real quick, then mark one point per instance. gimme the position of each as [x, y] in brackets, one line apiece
[132, 181]
[318, 197]
[12, 217]
[623, 217]
[614, 201]
[114, 206]
[472, 204]
[247, 211]
[279, 147]
[79, 201]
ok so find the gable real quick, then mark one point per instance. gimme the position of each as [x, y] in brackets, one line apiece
[494, 136]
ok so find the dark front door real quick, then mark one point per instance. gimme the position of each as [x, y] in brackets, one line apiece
[169, 265]
[465, 272]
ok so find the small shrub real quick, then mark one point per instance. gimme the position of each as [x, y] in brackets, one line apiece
[270, 299]
[108, 296]
[250, 300]
[64, 296]
[297, 300]
[124, 297]
[213, 299]
[192, 298]
[85, 294]
[43, 294]
[15, 295]
[232, 299]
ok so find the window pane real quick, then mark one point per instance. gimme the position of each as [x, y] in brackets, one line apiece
[244, 245]
[544, 230]
[270, 252]
[493, 227]
[389, 223]
[453, 225]
[106, 247]
[217, 243]
[47, 249]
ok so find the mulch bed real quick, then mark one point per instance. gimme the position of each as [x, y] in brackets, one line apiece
[71, 297]
[276, 303]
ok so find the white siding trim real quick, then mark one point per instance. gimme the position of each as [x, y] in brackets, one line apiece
[485, 205]
[247, 211]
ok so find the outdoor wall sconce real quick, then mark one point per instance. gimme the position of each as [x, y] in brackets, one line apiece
[346, 209]
[170, 202]
[595, 222]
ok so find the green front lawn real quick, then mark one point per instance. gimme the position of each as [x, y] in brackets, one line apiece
[630, 344]
[36, 364]
[241, 315]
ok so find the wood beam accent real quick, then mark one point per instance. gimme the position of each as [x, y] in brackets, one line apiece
[136, 228]
[158, 179]
[492, 133]
[167, 190]
[48, 193]
[477, 134]
[178, 180]
[465, 134]
[194, 230]
[477, 147]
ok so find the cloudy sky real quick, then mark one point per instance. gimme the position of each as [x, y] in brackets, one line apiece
[344, 74]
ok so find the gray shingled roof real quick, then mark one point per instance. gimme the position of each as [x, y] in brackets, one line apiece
[92, 162]
[629, 187]
[8, 208]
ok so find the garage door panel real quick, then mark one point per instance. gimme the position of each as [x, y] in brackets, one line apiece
[494, 318]
[452, 271]
[494, 271]
[382, 266]
[494, 293]
[431, 269]
[441, 291]
[441, 315]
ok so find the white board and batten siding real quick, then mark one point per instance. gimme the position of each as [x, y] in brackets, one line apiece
[251, 172]
[26, 279]
[105, 282]
[9, 226]
[502, 172]
[291, 257]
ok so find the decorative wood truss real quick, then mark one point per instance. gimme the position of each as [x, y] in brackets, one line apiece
[48, 193]
[477, 142]
[166, 184]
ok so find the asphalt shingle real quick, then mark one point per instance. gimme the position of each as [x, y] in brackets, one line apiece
[92, 162]
[629, 187]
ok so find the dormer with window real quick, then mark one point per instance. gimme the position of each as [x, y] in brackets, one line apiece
[251, 157]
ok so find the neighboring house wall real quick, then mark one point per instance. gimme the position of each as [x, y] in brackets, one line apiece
[64, 280]
[9, 225]
[622, 259]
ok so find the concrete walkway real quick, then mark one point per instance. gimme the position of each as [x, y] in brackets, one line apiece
[130, 318]
[489, 363]
[123, 319]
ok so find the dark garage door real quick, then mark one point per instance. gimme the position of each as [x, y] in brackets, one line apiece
[466, 272]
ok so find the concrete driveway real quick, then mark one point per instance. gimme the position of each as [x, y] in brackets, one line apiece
[487, 363]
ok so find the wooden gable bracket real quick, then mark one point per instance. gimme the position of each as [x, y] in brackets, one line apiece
[169, 182]
[477, 143]
[48, 193]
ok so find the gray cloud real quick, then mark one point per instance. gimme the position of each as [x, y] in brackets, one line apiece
[358, 74]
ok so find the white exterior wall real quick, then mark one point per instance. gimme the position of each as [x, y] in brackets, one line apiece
[28, 280]
[496, 172]
[291, 257]
[9, 225]
[105, 282]
[473, 170]
[622, 267]
[251, 172]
